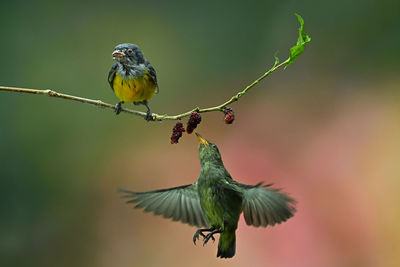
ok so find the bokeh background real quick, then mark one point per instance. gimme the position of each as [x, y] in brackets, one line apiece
[326, 130]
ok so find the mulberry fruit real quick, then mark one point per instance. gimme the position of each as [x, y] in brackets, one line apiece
[194, 119]
[177, 132]
[229, 115]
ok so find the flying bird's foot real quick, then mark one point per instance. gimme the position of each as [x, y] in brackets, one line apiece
[200, 233]
[210, 236]
[197, 234]
[118, 107]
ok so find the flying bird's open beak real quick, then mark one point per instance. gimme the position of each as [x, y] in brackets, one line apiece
[201, 139]
[117, 54]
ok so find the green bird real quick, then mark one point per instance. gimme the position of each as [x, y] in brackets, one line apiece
[214, 203]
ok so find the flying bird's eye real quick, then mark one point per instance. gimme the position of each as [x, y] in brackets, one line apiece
[130, 51]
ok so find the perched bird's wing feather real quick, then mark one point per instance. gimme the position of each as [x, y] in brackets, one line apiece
[153, 74]
[111, 75]
[178, 203]
[264, 206]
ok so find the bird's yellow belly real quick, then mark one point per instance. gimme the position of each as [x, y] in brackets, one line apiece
[134, 90]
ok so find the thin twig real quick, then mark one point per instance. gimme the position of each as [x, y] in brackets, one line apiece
[156, 117]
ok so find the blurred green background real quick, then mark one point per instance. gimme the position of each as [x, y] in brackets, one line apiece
[326, 130]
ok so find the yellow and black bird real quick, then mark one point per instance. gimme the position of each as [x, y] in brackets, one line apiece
[132, 78]
[216, 201]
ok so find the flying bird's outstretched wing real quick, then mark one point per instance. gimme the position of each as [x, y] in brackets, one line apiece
[178, 203]
[263, 206]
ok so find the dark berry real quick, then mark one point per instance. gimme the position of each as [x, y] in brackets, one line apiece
[194, 119]
[229, 118]
[177, 132]
[229, 115]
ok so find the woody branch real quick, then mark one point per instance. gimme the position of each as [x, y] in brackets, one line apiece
[156, 117]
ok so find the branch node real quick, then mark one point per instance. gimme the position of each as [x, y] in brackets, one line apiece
[99, 103]
[50, 92]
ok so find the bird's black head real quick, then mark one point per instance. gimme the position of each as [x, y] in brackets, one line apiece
[128, 54]
[208, 152]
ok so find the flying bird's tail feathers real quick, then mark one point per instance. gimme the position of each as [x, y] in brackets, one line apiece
[227, 244]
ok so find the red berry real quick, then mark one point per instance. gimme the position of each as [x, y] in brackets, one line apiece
[229, 115]
[177, 132]
[229, 118]
[193, 121]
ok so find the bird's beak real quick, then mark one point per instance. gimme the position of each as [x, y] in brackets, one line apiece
[117, 54]
[201, 139]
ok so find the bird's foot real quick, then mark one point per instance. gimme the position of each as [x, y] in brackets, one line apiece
[208, 237]
[118, 107]
[200, 233]
[197, 235]
[149, 115]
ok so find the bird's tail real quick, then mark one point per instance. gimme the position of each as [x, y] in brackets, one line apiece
[227, 244]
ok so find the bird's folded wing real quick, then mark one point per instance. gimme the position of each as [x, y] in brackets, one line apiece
[178, 203]
[111, 75]
[153, 74]
[264, 206]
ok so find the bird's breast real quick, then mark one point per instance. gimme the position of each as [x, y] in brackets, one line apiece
[211, 205]
[134, 89]
[219, 201]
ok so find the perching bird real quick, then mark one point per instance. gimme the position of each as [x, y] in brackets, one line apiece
[132, 78]
[216, 201]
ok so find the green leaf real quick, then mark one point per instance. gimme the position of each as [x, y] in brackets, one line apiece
[296, 50]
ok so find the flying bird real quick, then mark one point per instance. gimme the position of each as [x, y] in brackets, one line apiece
[215, 202]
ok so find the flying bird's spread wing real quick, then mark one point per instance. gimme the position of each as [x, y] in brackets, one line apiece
[178, 203]
[264, 206]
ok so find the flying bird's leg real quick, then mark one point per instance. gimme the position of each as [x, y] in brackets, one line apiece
[118, 107]
[149, 114]
[200, 232]
[211, 235]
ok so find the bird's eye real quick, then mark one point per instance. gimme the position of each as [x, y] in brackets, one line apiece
[130, 51]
